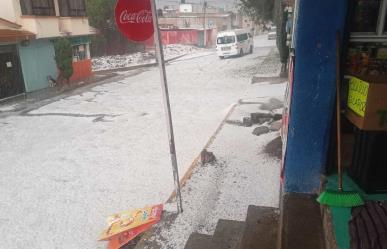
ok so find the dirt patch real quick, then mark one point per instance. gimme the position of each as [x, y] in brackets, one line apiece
[274, 148]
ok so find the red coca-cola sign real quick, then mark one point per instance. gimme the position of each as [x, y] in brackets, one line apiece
[134, 19]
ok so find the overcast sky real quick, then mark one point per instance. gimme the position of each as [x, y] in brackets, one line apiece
[228, 4]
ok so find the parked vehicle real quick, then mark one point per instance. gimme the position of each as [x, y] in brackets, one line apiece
[272, 33]
[234, 42]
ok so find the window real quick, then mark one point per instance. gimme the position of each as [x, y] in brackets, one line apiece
[38, 7]
[72, 7]
[226, 40]
[368, 20]
[79, 52]
[365, 15]
[242, 37]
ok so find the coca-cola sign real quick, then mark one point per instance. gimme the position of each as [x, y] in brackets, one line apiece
[134, 19]
[143, 16]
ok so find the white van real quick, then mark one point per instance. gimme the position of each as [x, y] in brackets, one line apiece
[234, 42]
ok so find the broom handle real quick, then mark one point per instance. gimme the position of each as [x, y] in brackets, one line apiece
[338, 111]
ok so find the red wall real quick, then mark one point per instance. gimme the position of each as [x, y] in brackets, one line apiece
[181, 36]
[187, 37]
[82, 70]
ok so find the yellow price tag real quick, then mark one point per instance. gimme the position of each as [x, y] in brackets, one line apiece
[357, 96]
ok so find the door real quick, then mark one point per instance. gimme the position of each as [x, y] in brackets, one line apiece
[11, 80]
[243, 43]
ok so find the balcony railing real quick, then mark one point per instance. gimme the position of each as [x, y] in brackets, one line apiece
[67, 8]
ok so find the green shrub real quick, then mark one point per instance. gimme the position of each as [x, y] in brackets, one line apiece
[64, 58]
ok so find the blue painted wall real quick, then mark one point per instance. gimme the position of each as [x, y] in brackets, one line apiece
[37, 60]
[313, 92]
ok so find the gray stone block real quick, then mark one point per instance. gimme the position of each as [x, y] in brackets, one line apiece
[277, 116]
[261, 130]
[259, 118]
[264, 120]
[247, 122]
[276, 125]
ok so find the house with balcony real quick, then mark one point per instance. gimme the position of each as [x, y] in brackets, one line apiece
[28, 31]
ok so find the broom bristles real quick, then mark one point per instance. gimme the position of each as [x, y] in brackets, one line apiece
[340, 199]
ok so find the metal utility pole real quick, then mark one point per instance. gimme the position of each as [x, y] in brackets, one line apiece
[167, 105]
[205, 23]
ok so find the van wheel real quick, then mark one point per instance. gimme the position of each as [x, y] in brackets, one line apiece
[241, 53]
[251, 49]
[221, 57]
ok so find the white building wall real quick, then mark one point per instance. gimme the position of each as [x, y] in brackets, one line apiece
[74, 26]
[9, 10]
[45, 26]
[186, 8]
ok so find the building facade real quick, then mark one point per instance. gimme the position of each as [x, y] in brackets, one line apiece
[339, 47]
[28, 30]
[197, 17]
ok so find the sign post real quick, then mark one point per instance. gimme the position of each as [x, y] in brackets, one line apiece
[137, 20]
[167, 105]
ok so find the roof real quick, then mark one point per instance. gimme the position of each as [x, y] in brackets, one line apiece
[9, 23]
[11, 35]
[12, 32]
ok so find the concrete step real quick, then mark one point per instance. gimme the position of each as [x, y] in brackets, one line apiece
[301, 222]
[262, 225]
[199, 241]
[228, 234]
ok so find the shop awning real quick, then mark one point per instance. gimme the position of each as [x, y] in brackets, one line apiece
[14, 35]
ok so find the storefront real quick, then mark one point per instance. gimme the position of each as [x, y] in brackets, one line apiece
[11, 76]
[364, 94]
[310, 159]
[82, 65]
[43, 52]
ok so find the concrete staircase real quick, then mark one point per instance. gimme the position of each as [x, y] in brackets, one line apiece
[259, 231]
[298, 226]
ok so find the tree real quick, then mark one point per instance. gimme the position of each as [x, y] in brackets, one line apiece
[280, 19]
[109, 40]
[64, 59]
[101, 14]
[257, 10]
[270, 10]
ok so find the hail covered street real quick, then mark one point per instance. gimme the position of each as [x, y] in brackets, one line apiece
[68, 163]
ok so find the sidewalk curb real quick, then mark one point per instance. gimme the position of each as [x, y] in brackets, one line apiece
[188, 174]
[195, 163]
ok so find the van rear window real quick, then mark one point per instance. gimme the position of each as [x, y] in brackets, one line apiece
[226, 40]
[242, 37]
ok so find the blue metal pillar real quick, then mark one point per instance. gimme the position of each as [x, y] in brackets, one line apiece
[313, 92]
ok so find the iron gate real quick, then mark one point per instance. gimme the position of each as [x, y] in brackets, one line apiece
[11, 79]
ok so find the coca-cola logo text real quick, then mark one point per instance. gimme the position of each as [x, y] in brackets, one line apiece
[143, 16]
[134, 19]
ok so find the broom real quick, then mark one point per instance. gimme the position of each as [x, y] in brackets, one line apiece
[339, 198]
